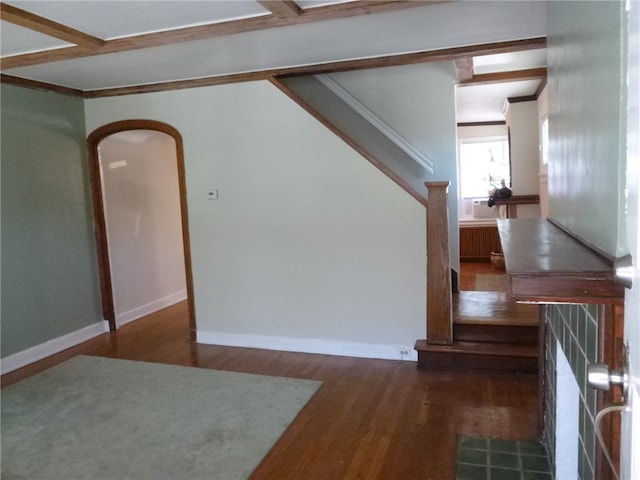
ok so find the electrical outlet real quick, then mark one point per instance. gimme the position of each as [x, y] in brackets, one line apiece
[404, 352]
[212, 194]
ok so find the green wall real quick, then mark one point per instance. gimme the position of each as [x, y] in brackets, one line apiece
[586, 129]
[49, 268]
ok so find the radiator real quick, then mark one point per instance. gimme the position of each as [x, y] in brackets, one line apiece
[477, 242]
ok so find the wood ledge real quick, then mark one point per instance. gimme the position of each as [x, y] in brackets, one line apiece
[518, 200]
[547, 265]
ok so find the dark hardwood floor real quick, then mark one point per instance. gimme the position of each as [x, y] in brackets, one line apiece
[371, 419]
[481, 276]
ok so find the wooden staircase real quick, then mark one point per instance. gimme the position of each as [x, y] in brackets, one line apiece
[491, 332]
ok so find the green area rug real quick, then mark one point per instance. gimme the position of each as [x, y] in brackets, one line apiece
[101, 418]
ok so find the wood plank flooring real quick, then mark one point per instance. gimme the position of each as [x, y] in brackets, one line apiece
[492, 308]
[472, 272]
[372, 419]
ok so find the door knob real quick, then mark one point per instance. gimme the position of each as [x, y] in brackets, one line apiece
[623, 270]
[600, 377]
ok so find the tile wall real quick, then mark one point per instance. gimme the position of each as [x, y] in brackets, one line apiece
[575, 327]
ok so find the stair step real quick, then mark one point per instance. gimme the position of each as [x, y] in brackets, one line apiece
[478, 356]
[492, 308]
[478, 332]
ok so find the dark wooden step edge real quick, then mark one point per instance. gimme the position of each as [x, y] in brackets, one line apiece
[467, 356]
[480, 348]
[521, 335]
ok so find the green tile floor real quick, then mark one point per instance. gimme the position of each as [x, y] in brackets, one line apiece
[482, 458]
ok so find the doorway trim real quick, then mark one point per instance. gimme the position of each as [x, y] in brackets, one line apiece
[95, 180]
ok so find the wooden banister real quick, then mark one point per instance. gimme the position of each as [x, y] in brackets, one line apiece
[439, 304]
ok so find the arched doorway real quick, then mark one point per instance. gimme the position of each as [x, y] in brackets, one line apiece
[97, 183]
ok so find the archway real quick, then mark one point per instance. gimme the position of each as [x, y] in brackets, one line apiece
[97, 182]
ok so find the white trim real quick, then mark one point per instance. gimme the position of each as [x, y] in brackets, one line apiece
[139, 312]
[51, 347]
[377, 122]
[309, 345]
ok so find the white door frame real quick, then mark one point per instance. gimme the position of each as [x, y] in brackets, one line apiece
[630, 438]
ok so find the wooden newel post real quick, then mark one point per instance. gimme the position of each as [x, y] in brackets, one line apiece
[439, 306]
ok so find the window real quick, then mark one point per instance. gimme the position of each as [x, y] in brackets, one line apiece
[544, 140]
[484, 163]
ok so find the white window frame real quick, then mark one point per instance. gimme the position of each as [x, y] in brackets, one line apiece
[464, 202]
[476, 140]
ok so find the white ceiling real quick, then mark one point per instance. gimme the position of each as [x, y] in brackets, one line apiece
[486, 103]
[424, 27]
[115, 19]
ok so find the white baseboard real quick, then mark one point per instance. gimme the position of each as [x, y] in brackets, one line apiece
[139, 312]
[51, 347]
[310, 345]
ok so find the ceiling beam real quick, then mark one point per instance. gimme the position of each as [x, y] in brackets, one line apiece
[446, 54]
[43, 25]
[464, 68]
[23, 82]
[282, 8]
[202, 32]
[501, 77]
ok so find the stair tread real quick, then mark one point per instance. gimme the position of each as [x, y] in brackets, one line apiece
[492, 332]
[492, 308]
[481, 348]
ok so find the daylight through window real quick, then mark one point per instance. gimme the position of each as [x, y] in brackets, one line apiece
[483, 165]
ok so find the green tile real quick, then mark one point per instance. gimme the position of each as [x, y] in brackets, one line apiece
[499, 445]
[503, 459]
[478, 443]
[573, 357]
[469, 455]
[534, 463]
[537, 476]
[532, 448]
[592, 341]
[581, 375]
[504, 474]
[471, 472]
[581, 332]
[592, 310]
[592, 398]
[507, 460]
[581, 463]
[586, 452]
[576, 317]
[588, 473]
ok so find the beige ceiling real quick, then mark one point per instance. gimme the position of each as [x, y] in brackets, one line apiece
[97, 48]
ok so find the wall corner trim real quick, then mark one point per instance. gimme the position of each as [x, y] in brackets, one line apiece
[309, 345]
[51, 347]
